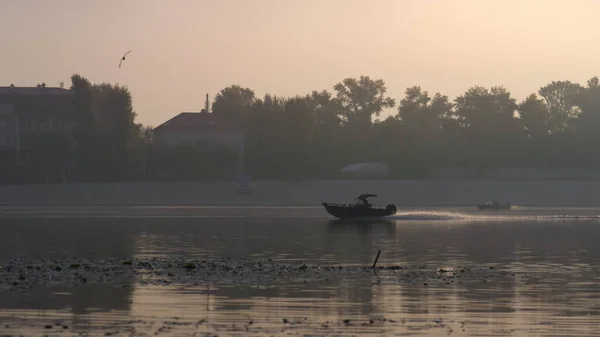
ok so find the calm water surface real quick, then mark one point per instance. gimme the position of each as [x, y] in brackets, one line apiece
[553, 252]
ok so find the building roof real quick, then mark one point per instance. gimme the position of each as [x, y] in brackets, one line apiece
[196, 122]
[39, 102]
[34, 91]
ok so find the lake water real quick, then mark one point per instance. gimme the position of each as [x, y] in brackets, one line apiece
[552, 254]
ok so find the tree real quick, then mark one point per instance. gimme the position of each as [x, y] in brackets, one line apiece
[116, 128]
[328, 143]
[300, 122]
[561, 98]
[423, 118]
[313, 135]
[588, 121]
[232, 104]
[328, 110]
[265, 151]
[423, 113]
[104, 131]
[85, 127]
[362, 98]
[393, 145]
[491, 129]
[141, 150]
[587, 140]
[535, 117]
[482, 110]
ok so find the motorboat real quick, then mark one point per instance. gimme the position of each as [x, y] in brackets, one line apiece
[494, 205]
[359, 208]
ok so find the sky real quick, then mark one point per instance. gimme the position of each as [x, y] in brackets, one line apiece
[185, 49]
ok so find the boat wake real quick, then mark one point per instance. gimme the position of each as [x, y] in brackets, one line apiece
[456, 216]
[566, 217]
[429, 215]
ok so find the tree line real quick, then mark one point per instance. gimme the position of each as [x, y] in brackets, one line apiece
[312, 136]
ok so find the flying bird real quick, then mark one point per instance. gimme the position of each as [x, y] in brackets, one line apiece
[123, 58]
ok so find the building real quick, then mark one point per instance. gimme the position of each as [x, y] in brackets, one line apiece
[191, 128]
[27, 111]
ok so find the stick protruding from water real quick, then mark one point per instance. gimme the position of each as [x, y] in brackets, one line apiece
[376, 258]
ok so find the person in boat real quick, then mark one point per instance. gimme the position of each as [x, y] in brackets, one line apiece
[363, 201]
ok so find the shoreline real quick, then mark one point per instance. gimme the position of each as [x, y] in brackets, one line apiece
[307, 193]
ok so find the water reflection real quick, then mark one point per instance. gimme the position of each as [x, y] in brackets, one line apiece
[78, 301]
[474, 309]
[67, 238]
[552, 286]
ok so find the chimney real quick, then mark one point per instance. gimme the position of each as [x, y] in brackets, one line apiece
[206, 107]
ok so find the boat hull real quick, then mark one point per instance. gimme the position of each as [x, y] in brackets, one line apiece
[347, 212]
[494, 207]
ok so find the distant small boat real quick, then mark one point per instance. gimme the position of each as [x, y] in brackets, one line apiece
[359, 208]
[494, 205]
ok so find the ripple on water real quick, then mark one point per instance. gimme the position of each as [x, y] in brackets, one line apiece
[542, 281]
[453, 299]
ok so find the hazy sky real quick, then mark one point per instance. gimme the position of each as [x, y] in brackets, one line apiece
[183, 49]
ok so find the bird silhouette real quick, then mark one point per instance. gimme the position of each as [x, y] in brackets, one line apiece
[123, 58]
